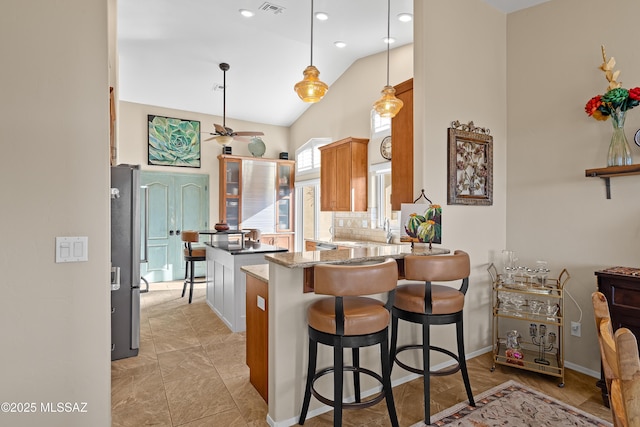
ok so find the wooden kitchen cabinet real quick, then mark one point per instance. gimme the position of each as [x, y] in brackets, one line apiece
[279, 240]
[230, 188]
[343, 175]
[402, 148]
[257, 338]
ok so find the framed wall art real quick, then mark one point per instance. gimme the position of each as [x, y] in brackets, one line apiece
[173, 142]
[470, 168]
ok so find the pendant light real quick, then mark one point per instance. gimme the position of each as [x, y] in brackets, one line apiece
[310, 88]
[388, 105]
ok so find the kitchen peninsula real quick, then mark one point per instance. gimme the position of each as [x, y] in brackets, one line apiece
[290, 293]
[226, 285]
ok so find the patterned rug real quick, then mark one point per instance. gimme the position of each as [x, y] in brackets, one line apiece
[514, 405]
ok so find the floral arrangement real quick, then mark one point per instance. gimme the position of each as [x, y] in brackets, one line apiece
[616, 99]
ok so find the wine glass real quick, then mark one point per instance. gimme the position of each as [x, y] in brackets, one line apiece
[508, 265]
[552, 310]
[502, 301]
[531, 273]
[535, 306]
[518, 302]
[543, 272]
[522, 271]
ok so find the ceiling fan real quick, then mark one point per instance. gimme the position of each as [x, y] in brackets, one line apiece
[224, 135]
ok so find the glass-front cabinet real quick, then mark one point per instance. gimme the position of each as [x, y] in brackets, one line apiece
[258, 193]
[284, 199]
[230, 189]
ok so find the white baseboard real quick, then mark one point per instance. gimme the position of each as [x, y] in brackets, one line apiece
[582, 369]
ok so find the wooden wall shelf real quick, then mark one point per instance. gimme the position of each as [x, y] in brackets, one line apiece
[612, 171]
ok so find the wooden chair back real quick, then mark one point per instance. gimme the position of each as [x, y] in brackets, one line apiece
[629, 382]
[609, 356]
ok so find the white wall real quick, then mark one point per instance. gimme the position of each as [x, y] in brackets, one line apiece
[554, 212]
[460, 74]
[54, 181]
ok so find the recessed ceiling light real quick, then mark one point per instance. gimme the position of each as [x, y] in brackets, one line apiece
[246, 13]
[405, 17]
[389, 40]
[322, 16]
[340, 44]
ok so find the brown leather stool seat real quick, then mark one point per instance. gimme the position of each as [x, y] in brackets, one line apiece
[428, 304]
[191, 256]
[350, 320]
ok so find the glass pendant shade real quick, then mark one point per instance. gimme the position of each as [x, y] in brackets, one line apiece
[224, 139]
[311, 89]
[388, 105]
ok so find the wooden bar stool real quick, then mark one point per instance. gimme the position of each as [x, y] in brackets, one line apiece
[350, 320]
[428, 304]
[191, 256]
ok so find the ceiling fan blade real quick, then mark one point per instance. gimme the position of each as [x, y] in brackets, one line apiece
[249, 133]
[220, 129]
[211, 139]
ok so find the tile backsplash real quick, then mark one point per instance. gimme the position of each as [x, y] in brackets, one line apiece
[357, 226]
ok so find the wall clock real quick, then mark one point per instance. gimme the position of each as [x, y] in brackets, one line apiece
[385, 147]
[636, 138]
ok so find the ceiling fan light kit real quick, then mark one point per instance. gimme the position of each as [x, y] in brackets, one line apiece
[311, 89]
[388, 105]
[223, 139]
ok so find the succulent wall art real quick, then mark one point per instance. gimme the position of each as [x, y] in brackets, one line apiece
[173, 142]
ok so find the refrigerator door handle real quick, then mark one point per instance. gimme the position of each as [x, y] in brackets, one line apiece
[145, 259]
[115, 278]
[135, 317]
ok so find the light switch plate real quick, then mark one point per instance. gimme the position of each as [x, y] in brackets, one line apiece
[261, 303]
[72, 249]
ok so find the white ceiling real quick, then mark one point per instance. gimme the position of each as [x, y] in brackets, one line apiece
[169, 51]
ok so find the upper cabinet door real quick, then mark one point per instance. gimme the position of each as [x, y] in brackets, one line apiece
[343, 175]
[284, 186]
[402, 151]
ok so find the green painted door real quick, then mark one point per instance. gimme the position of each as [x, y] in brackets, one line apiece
[176, 202]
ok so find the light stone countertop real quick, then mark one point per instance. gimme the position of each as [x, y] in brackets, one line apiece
[370, 253]
[260, 271]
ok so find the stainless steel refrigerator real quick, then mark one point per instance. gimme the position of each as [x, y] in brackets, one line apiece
[125, 261]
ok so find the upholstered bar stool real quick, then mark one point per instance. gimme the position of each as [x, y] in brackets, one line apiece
[428, 304]
[349, 319]
[191, 256]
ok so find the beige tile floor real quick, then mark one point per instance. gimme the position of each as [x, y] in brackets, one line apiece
[191, 372]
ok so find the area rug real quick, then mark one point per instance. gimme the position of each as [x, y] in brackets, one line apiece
[514, 405]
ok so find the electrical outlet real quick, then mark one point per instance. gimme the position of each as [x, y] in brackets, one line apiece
[576, 329]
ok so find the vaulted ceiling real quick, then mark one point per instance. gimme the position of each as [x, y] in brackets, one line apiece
[169, 51]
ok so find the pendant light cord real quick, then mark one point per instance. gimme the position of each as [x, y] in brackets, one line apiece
[311, 61]
[388, 35]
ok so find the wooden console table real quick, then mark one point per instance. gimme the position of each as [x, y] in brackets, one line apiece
[621, 286]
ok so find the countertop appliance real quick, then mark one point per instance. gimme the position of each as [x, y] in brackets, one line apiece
[125, 261]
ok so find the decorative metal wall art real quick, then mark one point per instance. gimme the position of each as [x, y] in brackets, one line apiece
[470, 168]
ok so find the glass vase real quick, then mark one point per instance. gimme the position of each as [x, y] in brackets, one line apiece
[619, 150]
